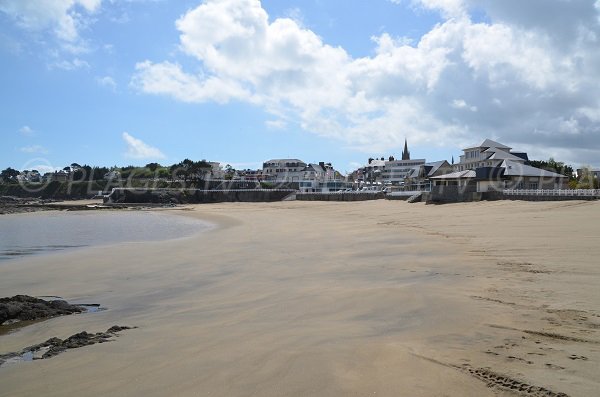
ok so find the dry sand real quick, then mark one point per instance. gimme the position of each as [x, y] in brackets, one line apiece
[377, 298]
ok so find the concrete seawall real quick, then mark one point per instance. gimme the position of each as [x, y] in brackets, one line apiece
[196, 196]
[359, 196]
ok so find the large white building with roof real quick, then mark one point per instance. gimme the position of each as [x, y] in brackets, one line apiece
[488, 154]
[283, 170]
[494, 166]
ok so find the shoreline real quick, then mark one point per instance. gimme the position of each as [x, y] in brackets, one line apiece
[331, 299]
[105, 222]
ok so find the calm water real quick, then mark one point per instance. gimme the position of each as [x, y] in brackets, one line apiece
[28, 234]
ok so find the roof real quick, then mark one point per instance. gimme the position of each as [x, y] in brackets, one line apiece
[432, 167]
[315, 167]
[513, 168]
[414, 172]
[502, 155]
[457, 175]
[488, 143]
[376, 163]
[284, 160]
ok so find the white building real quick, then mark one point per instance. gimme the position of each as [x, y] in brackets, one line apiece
[396, 171]
[322, 178]
[488, 154]
[494, 166]
[283, 170]
[216, 171]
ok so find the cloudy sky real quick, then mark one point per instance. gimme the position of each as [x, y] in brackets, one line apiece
[116, 82]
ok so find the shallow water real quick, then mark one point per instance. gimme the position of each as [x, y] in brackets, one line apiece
[29, 234]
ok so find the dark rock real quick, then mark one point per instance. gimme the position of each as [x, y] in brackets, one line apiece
[23, 307]
[55, 346]
[116, 328]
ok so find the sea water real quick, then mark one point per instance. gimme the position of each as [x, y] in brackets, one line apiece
[42, 232]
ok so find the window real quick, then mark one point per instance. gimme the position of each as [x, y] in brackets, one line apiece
[533, 185]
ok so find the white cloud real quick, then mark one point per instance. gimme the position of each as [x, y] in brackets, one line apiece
[63, 17]
[27, 131]
[107, 81]
[462, 81]
[461, 104]
[276, 124]
[136, 149]
[34, 149]
[169, 78]
[73, 64]
[449, 8]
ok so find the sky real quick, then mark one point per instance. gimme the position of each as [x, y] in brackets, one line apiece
[120, 82]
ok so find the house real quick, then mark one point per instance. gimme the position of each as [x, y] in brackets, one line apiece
[283, 170]
[419, 177]
[390, 172]
[372, 172]
[30, 176]
[592, 172]
[216, 172]
[247, 175]
[113, 174]
[323, 178]
[60, 176]
[396, 172]
[494, 166]
[488, 154]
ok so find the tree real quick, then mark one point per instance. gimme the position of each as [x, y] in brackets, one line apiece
[99, 172]
[587, 179]
[229, 172]
[153, 166]
[81, 173]
[9, 174]
[555, 166]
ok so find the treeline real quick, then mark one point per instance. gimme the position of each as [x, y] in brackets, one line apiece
[187, 170]
[555, 166]
[583, 179]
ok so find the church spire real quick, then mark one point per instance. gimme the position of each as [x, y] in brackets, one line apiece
[405, 153]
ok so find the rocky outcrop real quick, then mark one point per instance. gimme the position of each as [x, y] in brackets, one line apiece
[23, 307]
[55, 346]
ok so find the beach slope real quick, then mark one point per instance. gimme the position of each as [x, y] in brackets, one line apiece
[329, 299]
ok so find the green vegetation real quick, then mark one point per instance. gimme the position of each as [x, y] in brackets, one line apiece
[555, 166]
[9, 175]
[585, 180]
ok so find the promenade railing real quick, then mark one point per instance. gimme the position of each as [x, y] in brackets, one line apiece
[553, 192]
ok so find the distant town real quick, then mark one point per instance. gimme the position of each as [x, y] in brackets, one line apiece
[488, 166]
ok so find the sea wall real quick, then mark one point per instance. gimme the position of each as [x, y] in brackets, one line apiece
[452, 194]
[54, 190]
[349, 196]
[195, 196]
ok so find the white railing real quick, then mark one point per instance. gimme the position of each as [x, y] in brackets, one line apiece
[553, 192]
[406, 193]
[352, 192]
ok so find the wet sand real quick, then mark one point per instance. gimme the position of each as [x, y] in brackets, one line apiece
[329, 299]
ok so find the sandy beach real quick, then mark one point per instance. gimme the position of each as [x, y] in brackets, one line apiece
[377, 298]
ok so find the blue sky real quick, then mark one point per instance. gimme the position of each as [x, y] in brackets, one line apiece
[241, 81]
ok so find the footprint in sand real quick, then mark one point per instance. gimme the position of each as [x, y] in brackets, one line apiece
[576, 357]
